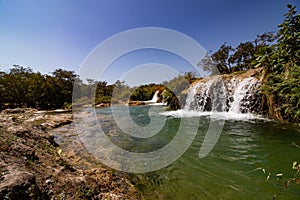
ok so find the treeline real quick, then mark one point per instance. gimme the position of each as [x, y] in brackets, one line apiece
[100, 92]
[22, 87]
[279, 55]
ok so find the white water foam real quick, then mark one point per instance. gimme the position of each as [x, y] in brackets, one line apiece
[238, 94]
[154, 100]
[214, 115]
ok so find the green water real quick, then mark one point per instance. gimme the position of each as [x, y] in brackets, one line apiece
[247, 152]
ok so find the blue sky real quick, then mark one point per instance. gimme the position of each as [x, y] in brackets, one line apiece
[46, 35]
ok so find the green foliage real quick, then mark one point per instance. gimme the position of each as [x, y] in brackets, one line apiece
[85, 192]
[103, 91]
[282, 61]
[208, 65]
[173, 95]
[228, 59]
[62, 86]
[21, 87]
[222, 58]
[14, 85]
[243, 56]
[121, 91]
[145, 92]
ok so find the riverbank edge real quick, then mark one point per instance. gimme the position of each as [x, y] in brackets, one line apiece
[33, 166]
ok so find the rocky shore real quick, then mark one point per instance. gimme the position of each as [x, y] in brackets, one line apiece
[34, 166]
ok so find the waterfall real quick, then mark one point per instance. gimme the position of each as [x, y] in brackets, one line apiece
[242, 95]
[219, 94]
[195, 98]
[155, 97]
[154, 100]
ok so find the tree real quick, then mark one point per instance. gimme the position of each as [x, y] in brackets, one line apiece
[222, 60]
[190, 77]
[62, 82]
[265, 39]
[37, 92]
[288, 46]
[228, 59]
[243, 56]
[101, 88]
[2, 89]
[208, 65]
[264, 49]
[121, 91]
[15, 85]
[282, 85]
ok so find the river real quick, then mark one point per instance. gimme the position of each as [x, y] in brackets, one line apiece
[252, 158]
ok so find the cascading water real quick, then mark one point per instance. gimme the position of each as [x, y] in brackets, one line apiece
[155, 97]
[225, 95]
[245, 96]
[154, 100]
[199, 101]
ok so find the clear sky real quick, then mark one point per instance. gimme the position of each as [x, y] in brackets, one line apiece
[46, 35]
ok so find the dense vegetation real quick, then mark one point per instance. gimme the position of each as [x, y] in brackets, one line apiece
[282, 63]
[21, 87]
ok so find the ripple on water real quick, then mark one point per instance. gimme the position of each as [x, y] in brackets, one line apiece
[232, 170]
